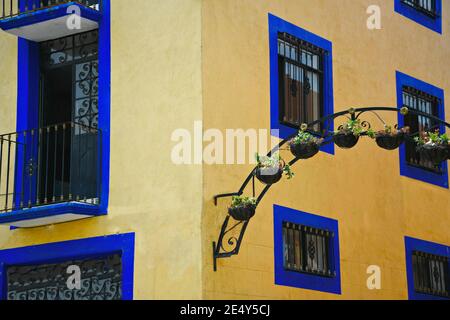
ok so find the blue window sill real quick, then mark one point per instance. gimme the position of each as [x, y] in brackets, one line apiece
[284, 277]
[406, 170]
[411, 245]
[58, 11]
[277, 25]
[434, 24]
[49, 212]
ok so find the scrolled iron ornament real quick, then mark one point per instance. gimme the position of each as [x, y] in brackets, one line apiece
[351, 114]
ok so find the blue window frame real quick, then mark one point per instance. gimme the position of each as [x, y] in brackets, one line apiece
[286, 277]
[428, 13]
[278, 26]
[416, 245]
[28, 118]
[439, 179]
[74, 250]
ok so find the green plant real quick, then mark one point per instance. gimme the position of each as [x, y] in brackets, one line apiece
[388, 130]
[432, 138]
[274, 161]
[304, 137]
[241, 201]
[353, 126]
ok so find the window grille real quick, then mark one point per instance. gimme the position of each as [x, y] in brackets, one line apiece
[420, 101]
[431, 274]
[307, 250]
[301, 71]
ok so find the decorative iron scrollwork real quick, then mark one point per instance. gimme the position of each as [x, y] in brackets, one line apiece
[232, 234]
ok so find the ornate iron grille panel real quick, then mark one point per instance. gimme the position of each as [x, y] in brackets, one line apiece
[300, 81]
[101, 279]
[427, 7]
[80, 51]
[307, 250]
[431, 274]
[423, 102]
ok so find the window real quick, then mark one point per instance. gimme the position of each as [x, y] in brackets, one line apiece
[306, 251]
[101, 279]
[301, 79]
[425, 12]
[41, 272]
[63, 124]
[427, 270]
[431, 274]
[421, 96]
[427, 7]
[426, 103]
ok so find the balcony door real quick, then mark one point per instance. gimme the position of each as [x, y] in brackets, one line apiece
[68, 136]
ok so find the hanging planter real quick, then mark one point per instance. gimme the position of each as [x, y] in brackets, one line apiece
[305, 145]
[348, 134]
[242, 208]
[433, 147]
[389, 139]
[270, 169]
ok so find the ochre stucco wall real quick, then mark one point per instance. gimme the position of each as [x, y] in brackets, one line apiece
[361, 188]
[156, 88]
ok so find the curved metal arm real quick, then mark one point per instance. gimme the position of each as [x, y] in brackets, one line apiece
[234, 241]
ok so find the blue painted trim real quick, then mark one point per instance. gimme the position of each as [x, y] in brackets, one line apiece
[104, 100]
[28, 108]
[302, 280]
[277, 25]
[406, 170]
[74, 250]
[411, 245]
[49, 211]
[434, 24]
[27, 19]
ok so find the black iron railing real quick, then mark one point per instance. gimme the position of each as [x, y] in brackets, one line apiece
[49, 165]
[427, 7]
[12, 8]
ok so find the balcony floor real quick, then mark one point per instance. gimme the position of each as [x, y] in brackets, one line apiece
[50, 23]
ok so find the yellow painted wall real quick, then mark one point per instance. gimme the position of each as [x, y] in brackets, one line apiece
[362, 187]
[177, 61]
[156, 88]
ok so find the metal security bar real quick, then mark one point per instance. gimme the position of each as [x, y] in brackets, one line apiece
[301, 81]
[54, 164]
[101, 279]
[427, 7]
[431, 274]
[307, 250]
[12, 8]
[428, 104]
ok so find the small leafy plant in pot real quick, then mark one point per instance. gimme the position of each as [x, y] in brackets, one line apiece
[270, 169]
[433, 147]
[304, 145]
[242, 208]
[389, 139]
[348, 134]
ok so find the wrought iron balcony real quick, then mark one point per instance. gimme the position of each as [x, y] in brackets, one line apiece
[41, 20]
[43, 167]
